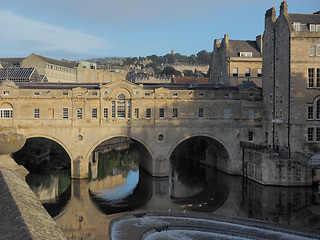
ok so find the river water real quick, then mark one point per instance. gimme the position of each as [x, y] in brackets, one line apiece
[116, 185]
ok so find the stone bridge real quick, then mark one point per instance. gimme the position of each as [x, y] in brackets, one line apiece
[81, 116]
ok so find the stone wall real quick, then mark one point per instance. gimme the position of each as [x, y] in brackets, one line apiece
[270, 169]
[22, 215]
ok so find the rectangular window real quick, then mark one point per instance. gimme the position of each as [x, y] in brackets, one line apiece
[113, 110]
[128, 109]
[319, 48]
[318, 77]
[36, 113]
[310, 112]
[161, 113]
[79, 113]
[311, 77]
[250, 136]
[313, 51]
[36, 94]
[310, 134]
[226, 113]
[65, 113]
[136, 112]
[148, 113]
[248, 72]
[94, 113]
[200, 112]
[296, 26]
[5, 92]
[6, 113]
[318, 135]
[175, 113]
[312, 27]
[175, 94]
[259, 72]
[105, 113]
[251, 113]
[235, 72]
[65, 94]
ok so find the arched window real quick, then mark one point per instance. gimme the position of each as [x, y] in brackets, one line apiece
[318, 109]
[121, 106]
[6, 111]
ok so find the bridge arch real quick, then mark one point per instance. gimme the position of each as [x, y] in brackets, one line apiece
[53, 139]
[216, 153]
[145, 152]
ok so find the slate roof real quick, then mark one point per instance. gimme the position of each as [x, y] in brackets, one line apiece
[19, 74]
[237, 46]
[13, 61]
[305, 18]
[58, 62]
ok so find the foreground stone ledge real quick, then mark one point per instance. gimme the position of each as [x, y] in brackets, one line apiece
[22, 215]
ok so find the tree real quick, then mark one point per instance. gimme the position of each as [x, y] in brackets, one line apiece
[188, 73]
[204, 57]
[169, 71]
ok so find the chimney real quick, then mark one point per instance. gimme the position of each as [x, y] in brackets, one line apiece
[270, 16]
[216, 43]
[226, 39]
[284, 8]
[259, 41]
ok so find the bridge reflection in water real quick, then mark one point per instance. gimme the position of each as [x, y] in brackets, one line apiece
[81, 207]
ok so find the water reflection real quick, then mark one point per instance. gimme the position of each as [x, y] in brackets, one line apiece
[120, 186]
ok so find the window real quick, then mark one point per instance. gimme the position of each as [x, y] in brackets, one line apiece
[113, 109]
[175, 113]
[148, 113]
[250, 136]
[121, 106]
[318, 49]
[94, 113]
[259, 72]
[311, 77]
[161, 113]
[136, 112]
[79, 113]
[248, 72]
[313, 51]
[312, 27]
[94, 94]
[36, 94]
[310, 112]
[251, 113]
[201, 94]
[235, 72]
[200, 112]
[65, 113]
[245, 54]
[175, 94]
[36, 113]
[147, 94]
[5, 92]
[318, 77]
[318, 109]
[105, 113]
[296, 26]
[65, 94]
[310, 134]
[6, 113]
[129, 109]
[317, 134]
[226, 113]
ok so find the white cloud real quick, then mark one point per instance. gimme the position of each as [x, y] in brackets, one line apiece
[34, 36]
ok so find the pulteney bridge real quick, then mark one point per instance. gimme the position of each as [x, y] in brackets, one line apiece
[157, 117]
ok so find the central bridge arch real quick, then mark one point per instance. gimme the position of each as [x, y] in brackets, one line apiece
[145, 158]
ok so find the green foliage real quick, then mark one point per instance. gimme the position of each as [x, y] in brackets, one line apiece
[169, 71]
[123, 161]
[40, 154]
[188, 73]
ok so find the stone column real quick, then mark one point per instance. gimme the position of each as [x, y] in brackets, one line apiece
[10, 142]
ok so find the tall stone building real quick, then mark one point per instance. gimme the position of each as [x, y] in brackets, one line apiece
[291, 80]
[236, 61]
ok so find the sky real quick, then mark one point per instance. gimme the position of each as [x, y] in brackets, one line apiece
[80, 30]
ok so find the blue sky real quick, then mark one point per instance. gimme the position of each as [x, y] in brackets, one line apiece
[77, 29]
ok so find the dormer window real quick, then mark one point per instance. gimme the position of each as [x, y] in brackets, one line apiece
[314, 27]
[296, 26]
[245, 54]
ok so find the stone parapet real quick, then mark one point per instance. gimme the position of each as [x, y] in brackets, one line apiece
[22, 215]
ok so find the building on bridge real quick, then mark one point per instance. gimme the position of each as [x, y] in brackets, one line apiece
[236, 61]
[291, 80]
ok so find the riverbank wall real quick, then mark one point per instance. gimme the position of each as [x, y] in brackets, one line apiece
[22, 215]
[268, 168]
